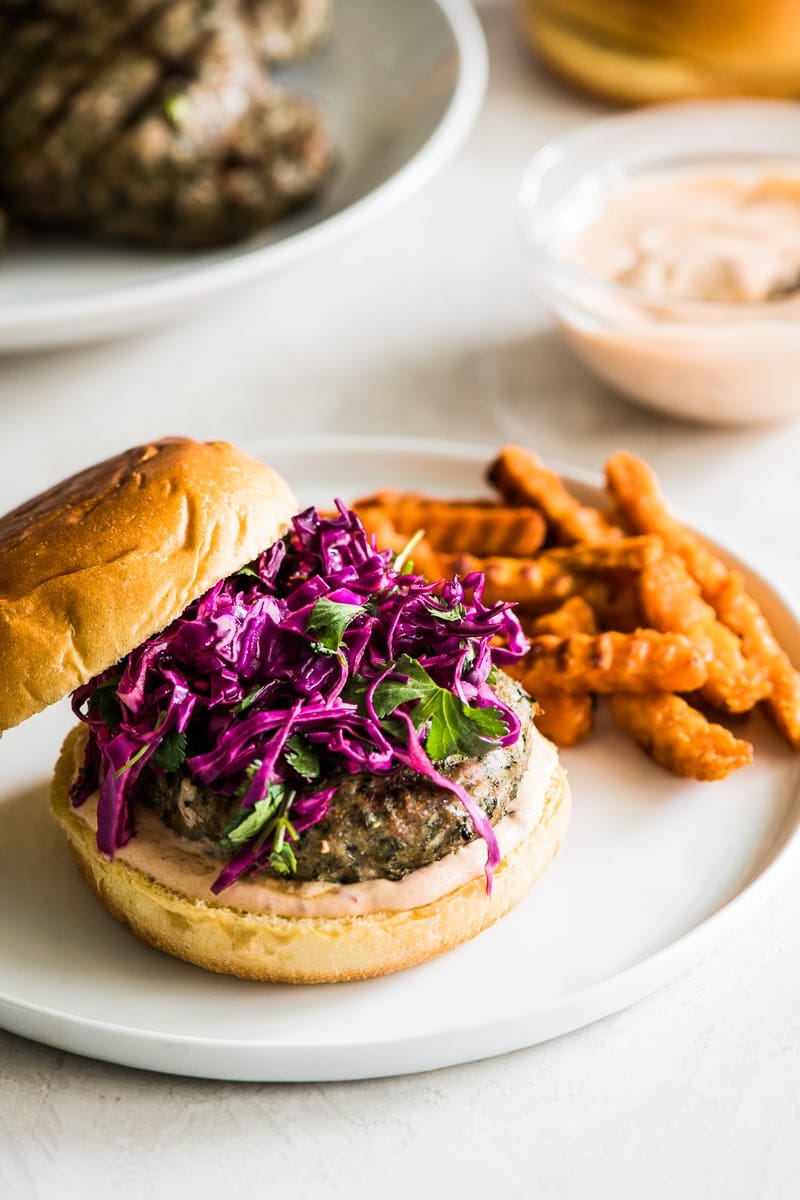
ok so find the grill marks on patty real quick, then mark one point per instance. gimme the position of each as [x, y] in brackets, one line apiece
[156, 121]
[377, 826]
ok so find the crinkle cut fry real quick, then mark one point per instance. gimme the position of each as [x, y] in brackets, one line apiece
[615, 602]
[542, 583]
[573, 616]
[476, 528]
[635, 490]
[742, 614]
[671, 601]
[520, 478]
[537, 583]
[643, 661]
[387, 536]
[566, 718]
[624, 554]
[678, 737]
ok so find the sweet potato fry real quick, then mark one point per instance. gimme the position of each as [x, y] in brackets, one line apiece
[574, 616]
[555, 575]
[457, 527]
[625, 554]
[538, 583]
[388, 537]
[520, 478]
[671, 600]
[645, 613]
[678, 737]
[635, 490]
[644, 661]
[566, 718]
[742, 614]
[615, 603]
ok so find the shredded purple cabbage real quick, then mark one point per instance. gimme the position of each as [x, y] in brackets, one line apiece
[257, 661]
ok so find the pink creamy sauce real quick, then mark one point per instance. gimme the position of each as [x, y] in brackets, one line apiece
[175, 863]
[720, 238]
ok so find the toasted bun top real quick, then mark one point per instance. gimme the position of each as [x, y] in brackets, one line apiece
[102, 561]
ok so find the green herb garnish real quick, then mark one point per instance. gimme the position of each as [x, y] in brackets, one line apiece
[174, 107]
[454, 727]
[248, 823]
[457, 613]
[140, 753]
[105, 703]
[248, 571]
[171, 751]
[328, 621]
[402, 560]
[268, 818]
[250, 698]
[302, 756]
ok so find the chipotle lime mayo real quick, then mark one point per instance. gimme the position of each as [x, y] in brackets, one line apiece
[177, 864]
[724, 238]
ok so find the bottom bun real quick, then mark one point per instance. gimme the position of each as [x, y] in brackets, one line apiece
[303, 949]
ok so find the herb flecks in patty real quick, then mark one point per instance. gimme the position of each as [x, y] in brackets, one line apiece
[376, 826]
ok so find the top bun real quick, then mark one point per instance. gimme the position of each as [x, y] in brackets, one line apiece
[102, 561]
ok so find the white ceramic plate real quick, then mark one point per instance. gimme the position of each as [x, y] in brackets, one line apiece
[653, 874]
[401, 85]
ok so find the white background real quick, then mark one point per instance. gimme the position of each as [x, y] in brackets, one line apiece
[424, 325]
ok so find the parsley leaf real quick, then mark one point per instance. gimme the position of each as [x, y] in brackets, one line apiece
[391, 693]
[457, 613]
[248, 571]
[268, 818]
[328, 621]
[302, 756]
[248, 823]
[283, 860]
[454, 727]
[171, 751]
[250, 698]
[105, 704]
[282, 857]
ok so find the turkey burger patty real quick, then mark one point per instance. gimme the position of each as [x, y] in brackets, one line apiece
[376, 826]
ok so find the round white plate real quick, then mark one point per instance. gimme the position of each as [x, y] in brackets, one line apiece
[401, 84]
[653, 874]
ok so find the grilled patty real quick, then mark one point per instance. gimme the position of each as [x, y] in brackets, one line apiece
[156, 121]
[377, 826]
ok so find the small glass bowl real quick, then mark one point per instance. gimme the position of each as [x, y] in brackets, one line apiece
[732, 363]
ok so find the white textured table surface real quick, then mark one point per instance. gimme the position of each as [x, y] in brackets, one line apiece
[424, 325]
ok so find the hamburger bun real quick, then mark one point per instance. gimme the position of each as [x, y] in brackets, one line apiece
[280, 949]
[92, 569]
[102, 561]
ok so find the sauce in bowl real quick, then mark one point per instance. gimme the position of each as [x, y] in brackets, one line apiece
[698, 236]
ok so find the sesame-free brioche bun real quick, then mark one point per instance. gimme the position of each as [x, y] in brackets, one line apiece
[102, 561]
[281, 949]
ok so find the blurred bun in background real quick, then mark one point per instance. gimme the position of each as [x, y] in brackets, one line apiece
[641, 51]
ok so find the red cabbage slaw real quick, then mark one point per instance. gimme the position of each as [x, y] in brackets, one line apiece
[325, 644]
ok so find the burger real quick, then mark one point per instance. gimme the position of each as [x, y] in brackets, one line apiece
[295, 759]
